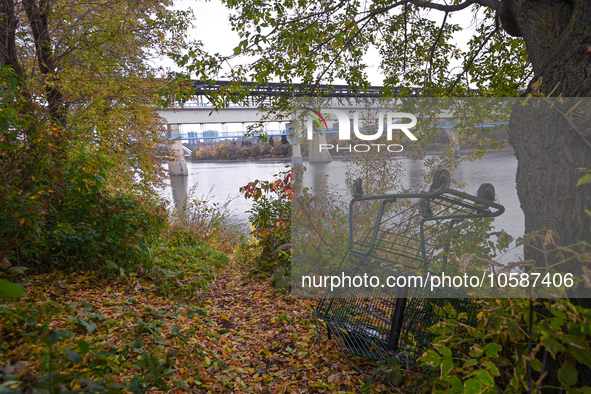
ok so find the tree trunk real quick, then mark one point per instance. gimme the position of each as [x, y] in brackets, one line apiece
[38, 16]
[549, 147]
[8, 24]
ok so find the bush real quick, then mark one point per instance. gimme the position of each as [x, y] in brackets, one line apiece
[231, 151]
[496, 356]
[270, 219]
[71, 220]
[199, 220]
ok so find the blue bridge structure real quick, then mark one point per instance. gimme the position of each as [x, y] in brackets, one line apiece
[201, 112]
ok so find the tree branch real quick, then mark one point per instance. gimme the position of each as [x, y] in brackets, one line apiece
[473, 58]
[432, 51]
[493, 4]
[37, 14]
[312, 15]
[345, 46]
[405, 37]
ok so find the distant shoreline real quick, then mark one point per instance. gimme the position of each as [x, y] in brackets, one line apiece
[508, 148]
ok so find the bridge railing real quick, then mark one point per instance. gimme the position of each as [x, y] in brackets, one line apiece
[222, 135]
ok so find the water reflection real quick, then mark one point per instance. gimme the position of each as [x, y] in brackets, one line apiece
[414, 168]
[180, 190]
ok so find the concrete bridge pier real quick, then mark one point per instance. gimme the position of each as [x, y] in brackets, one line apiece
[177, 165]
[297, 164]
[455, 140]
[315, 155]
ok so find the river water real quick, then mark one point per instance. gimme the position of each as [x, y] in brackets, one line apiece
[219, 182]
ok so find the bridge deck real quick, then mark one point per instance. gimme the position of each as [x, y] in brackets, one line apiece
[296, 90]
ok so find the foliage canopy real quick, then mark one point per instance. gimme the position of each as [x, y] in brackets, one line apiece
[79, 139]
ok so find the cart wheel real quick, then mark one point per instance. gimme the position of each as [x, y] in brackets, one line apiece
[486, 191]
[441, 180]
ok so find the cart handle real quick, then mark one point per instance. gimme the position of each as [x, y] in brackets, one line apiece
[482, 208]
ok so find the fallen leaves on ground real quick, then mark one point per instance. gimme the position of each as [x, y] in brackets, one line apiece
[240, 335]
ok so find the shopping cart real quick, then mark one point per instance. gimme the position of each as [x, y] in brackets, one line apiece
[409, 235]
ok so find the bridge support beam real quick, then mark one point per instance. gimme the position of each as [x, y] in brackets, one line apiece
[315, 154]
[177, 166]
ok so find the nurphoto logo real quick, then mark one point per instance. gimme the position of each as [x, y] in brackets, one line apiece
[392, 120]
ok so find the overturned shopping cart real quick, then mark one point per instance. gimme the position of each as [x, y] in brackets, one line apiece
[410, 237]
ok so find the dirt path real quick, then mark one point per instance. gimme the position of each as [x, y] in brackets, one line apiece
[262, 340]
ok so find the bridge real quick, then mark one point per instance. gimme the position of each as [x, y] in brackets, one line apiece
[201, 112]
[272, 89]
[216, 135]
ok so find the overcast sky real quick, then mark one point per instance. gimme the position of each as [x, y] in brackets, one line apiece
[213, 29]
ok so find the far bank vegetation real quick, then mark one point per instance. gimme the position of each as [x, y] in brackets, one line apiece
[275, 147]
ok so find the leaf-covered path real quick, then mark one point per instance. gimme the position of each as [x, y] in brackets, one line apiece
[139, 333]
[263, 340]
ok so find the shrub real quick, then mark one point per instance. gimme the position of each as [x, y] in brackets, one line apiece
[200, 220]
[72, 220]
[270, 218]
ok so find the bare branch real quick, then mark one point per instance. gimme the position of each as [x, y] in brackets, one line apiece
[345, 46]
[469, 64]
[304, 17]
[405, 37]
[432, 51]
[494, 4]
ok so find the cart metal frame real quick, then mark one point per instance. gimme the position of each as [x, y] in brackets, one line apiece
[376, 325]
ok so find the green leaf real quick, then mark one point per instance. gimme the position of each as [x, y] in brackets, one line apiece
[446, 366]
[10, 289]
[584, 179]
[394, 376]
[559, 313]
[582, 355]
[556, 323]
[472, 386]
[431, 358]
[56, 335]
[200, 312]
[568, 374]
[71, 355]
[444, 350]
[485, 377]
[89, 325]
[574, 341]
[492, 349]
[536, 364]
[471, 362]
[552, 345]
[491, 367]
[513, 329]
[83, 346]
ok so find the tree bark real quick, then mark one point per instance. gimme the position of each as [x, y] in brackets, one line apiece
[550, 143]
[37, 14]
[8, 24]
[549, 150]
[549, 147]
